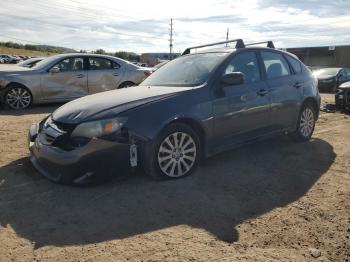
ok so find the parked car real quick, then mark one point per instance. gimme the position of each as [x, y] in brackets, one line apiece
[329, 79]
[66, 77]
[194, 106]
[10, 59]
[2, 61]
[342, 96]
[30, 62]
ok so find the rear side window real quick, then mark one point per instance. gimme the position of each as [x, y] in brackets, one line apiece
[275, 65]
[247, 64]
[97, 63]
[295, 64]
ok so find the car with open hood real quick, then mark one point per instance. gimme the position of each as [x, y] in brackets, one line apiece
[193, 107]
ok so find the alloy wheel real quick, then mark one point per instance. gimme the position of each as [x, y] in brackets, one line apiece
[307, 122]
[18, 98]
[177, 154]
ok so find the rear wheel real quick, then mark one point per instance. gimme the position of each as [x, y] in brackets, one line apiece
[175, 154]
[18, 97]
[306, 124]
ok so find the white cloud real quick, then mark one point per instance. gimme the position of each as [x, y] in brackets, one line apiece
[142, 26]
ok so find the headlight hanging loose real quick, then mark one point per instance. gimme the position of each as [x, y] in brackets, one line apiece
[99, 128]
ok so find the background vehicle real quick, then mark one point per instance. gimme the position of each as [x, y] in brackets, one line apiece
[196, 105]
[330, 78]
[30, 62]
[10, 59]
[66, 77]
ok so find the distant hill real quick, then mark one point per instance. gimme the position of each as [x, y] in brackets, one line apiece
[58, 48]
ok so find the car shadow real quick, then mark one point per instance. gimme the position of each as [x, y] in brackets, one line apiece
[37, 109]
[226, 190]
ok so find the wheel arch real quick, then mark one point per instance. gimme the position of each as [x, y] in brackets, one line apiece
[313, 102]
[197, 128]
[124, 83]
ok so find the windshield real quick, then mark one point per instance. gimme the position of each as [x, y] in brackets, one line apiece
[46, 61]
[29, 62]
[192, 70]
[326, 72]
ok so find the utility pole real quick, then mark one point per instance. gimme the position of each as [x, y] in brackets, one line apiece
[171, 40]
[228, 29]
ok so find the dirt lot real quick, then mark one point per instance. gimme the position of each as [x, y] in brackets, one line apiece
[274, 200]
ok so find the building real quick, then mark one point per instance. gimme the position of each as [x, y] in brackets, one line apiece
[327, 56]
[151, 59]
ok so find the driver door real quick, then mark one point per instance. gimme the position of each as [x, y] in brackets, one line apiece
[66, 80]
[241, 112]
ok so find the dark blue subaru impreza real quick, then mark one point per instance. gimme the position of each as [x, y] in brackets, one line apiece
[195, 106]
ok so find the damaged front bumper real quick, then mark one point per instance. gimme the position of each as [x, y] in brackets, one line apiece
[342, 98]
[98, 158]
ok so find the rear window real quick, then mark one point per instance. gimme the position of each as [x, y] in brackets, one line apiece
[295, 64]
[275, 64]
[98, 63]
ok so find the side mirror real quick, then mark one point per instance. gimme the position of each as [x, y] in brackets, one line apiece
[54, 70]
[236, 78]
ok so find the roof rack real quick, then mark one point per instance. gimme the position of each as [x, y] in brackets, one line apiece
[269, 44]
[239, 44]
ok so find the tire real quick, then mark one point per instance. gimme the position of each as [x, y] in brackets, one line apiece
[126, 85]
[168, 159]
[306, 124]
[18, 97]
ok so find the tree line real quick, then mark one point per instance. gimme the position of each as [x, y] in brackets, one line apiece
[130, 56]
[51, 49]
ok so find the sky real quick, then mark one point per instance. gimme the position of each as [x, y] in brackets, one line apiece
[143, 26]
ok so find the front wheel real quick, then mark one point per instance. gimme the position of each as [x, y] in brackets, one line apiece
[176, 153]
[18, 97]
[306, 124]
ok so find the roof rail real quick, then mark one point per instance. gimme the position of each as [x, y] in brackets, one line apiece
[239, 44]
[269, 44]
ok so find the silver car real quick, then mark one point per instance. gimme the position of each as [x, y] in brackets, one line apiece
[62, 78]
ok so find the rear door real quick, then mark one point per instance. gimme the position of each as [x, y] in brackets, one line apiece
[285, 89]
[67, 80]
[104, 74]
[241, 112]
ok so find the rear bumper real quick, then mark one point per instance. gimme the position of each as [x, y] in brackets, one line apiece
[99, 158]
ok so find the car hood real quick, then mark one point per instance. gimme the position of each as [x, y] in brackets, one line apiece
[109, 104]
[13, 69]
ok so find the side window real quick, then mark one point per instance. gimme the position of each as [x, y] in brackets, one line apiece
[275, 65]
[71, 64]
[295, 64]
[247, 64]
[97, 63]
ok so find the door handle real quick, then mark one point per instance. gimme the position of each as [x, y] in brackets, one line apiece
[298, 85]
[262, 92]
[80, 75]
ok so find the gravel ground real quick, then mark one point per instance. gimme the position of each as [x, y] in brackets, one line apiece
[272, 201]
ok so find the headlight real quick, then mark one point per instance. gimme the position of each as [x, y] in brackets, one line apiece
[99, 128]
